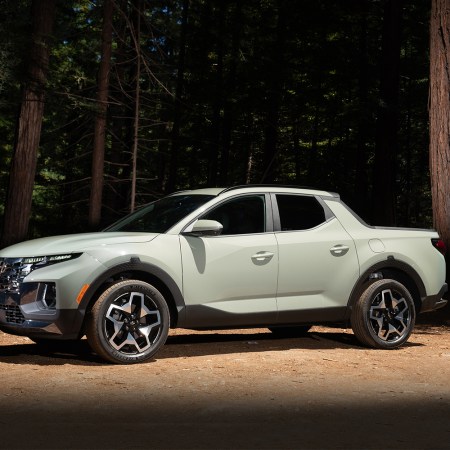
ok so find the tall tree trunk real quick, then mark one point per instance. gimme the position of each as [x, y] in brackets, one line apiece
[218, 101]
[275, 81]
[440, 117]
[313, 163]
[98, 153]
[387, 121]
[360, 159]
[137, 44]
[230, 88]
[116, 189]
[175, 134]
[28, 129]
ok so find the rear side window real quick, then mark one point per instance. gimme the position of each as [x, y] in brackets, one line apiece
[299, 212]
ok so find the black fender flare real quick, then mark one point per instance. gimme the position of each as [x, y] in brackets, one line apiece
[389, 264]
[147, 272]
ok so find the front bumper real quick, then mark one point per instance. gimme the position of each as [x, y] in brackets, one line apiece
[434, 302]
[19, 319]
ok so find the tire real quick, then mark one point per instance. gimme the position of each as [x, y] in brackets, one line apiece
[128, 323]
[290, 331]
[384, 315]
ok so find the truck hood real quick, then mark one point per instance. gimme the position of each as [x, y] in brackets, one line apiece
[72, 243]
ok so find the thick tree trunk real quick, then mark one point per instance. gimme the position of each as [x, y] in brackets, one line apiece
[98, 153]
[440, 117]
[28, 130]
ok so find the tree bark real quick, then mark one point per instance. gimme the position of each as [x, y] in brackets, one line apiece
[98, 153]
[29, 124]
[440, 117]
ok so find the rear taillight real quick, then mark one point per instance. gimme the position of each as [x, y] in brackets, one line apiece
[440, 245]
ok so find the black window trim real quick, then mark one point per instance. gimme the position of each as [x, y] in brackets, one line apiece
[276, 213]
[268, 208]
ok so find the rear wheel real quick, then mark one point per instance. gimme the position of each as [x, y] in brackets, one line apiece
[129, 322]
[290, 331]
[384, 315]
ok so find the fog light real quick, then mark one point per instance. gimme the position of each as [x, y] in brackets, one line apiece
[46, 296]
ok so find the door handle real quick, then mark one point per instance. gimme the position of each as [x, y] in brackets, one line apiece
[339, 250]
[262, 256]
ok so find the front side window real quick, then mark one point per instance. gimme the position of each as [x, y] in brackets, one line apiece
[299, 212]
[242, 215]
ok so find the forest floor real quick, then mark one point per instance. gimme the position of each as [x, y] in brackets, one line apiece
[232, 390]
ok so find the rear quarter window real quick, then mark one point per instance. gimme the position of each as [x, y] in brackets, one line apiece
[299, 212]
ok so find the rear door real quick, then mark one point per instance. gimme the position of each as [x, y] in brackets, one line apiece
[318, 264]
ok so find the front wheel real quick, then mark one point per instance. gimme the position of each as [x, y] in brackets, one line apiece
[384, 315]
[129, 322]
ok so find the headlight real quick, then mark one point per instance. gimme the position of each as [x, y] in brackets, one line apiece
[14, 270]
[40, 261]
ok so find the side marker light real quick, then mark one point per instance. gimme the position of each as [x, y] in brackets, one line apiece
[82, 292]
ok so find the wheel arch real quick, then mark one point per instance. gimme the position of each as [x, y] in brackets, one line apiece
[393, 269]
[138, 270]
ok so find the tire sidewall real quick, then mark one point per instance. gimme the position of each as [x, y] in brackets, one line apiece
[109, 296]
[368, 297]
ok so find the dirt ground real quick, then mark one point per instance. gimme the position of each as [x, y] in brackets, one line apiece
[231, 389]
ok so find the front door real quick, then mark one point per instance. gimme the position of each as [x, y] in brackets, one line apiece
[231, 280]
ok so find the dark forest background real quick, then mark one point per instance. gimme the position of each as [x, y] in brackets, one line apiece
[169, 95]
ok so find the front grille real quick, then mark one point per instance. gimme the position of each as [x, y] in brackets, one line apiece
[13, 314]
[12, 273]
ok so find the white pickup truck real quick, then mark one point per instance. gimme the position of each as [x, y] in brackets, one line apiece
[248, 256]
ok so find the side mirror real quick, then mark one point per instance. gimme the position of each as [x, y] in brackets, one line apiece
[204, 228]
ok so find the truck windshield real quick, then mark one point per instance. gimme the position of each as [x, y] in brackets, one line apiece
[161, 215]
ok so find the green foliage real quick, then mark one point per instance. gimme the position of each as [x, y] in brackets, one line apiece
[313, 67]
